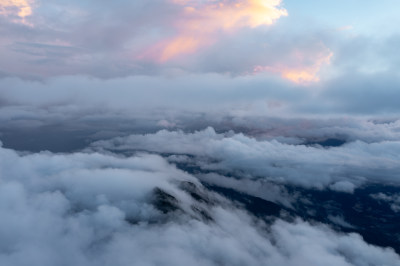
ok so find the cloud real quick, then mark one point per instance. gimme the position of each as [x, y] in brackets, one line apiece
[343, 167]
[215, 95]
[301, 73]
[17, 10]
[128, 38]
[263, 189]
[202, 22]
[393, 200]
[254, 100]
[116, 40]
[99, 209]
[73, 111]
[343, 186]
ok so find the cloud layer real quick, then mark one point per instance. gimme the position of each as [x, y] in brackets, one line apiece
[341, 168]
[258, 97]
[114, 40]
[247, 37]
[98, 209]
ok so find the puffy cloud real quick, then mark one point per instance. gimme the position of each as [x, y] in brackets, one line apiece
[341, 167]
[343, 186]
[393, 200]
[99, 209]
[314, 130]
[104, 208]
[309, 241]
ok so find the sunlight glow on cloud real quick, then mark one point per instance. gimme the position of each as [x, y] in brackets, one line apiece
[200, 24]
[16, 8]
[301, 73]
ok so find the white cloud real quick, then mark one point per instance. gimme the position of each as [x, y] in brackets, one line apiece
[343, 186]
[72, 209]
[343, 167]
[393, 200]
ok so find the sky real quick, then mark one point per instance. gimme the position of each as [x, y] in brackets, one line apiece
[101, 102]
[274, 57]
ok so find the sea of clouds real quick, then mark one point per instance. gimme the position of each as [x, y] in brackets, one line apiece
[340, 168]
[97, 208]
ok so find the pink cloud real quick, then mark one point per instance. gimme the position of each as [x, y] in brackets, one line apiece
[18, 10]
[304, 69]
[200, 24]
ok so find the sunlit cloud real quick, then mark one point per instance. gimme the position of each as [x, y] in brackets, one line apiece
[18, 10]
[304, 71]
[201, 23]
